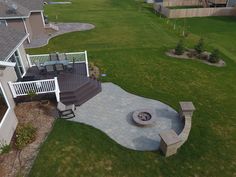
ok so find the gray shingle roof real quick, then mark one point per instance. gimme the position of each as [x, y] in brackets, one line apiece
[19, 8]
[9, 40]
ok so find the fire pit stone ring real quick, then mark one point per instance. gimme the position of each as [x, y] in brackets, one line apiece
[144, 117]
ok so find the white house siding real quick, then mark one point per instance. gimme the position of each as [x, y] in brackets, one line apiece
[9, 123]
[22, 54]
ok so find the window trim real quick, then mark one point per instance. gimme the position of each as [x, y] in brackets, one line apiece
[8, 104]
[13, 51]
[22, 63]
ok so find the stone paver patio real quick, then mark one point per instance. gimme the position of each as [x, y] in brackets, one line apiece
[63, 28]
[111, 110]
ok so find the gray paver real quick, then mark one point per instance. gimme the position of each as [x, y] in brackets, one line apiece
[111, 110]
[63, 28]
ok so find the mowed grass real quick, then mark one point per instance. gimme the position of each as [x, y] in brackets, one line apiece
[129, 45]
[217, 31]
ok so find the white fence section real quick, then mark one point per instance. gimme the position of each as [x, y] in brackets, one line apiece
[78, 57]
[37, 87]
[35, 59]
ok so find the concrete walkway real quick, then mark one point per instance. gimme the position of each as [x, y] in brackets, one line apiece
[111, 110]
[63, 28]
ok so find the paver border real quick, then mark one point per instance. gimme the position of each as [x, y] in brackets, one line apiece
[56, 33]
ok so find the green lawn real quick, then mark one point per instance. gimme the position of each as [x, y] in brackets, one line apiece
[128, 44]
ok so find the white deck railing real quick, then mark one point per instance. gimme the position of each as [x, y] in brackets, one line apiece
[37, 87]
[78, 57]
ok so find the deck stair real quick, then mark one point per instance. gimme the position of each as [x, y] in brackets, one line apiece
[81, 94]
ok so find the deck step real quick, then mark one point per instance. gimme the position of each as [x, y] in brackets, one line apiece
[75, 88]
[91, 93]
[80, 95]
[81, 89]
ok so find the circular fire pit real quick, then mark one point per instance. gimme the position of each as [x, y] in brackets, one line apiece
[143, 117]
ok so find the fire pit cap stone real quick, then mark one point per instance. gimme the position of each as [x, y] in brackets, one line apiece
[145, 112]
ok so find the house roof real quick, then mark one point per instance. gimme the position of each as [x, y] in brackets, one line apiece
[32, 5]
[10, 39]
[19, 8]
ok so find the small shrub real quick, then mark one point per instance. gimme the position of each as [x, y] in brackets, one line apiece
[179, 49]
[94, 71]
[25, 134]
[4, 148]
[191, 54]
[215, 56]
[199, 47]
[203, 56]
[31, 94]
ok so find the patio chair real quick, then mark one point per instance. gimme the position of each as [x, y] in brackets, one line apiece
[50, 69]
[59, 68]
[40, 68]
[66, 112]
[61, 56]
[53, 57]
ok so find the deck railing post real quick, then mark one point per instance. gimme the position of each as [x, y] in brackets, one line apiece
[29, 61]
[86, 62]
[12, 89]
[57, 89]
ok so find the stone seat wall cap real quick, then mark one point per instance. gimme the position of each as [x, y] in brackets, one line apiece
[187, 106]
[170, 137]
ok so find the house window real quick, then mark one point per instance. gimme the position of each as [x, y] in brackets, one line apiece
[4, 105]
[3, 23]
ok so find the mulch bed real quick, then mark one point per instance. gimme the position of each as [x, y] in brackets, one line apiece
[185, 55]
[41, 116]
[94, 71]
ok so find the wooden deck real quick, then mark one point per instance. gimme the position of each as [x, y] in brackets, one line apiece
[76, 88]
